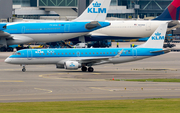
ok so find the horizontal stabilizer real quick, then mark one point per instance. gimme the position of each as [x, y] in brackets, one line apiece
[165, 51]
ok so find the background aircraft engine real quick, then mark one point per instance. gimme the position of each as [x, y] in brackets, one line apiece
[72, 65]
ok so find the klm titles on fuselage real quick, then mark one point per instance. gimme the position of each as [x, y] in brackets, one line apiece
[96, 8]
[158, 36]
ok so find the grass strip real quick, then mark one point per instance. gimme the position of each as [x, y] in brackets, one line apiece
[106, 106]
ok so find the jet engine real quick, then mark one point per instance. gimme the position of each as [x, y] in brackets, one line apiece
[72, 65]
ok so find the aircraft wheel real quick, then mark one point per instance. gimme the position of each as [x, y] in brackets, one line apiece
[23, 70]
[90, 69]
[84, 69]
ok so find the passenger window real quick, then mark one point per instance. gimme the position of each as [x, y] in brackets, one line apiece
[103, 52]
[73, 53]
[66, 53]
[114, 52]
[89, 53]
[107, 53]
[43, 53]
[51, 53]
[47, 53]
[100, 52]
[54, 53]
[110, 52]
[97, 52]
[82, 53]
[39, 53]
[62, 53]
[69, 53]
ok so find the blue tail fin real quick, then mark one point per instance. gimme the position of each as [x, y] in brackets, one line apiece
[172, 12]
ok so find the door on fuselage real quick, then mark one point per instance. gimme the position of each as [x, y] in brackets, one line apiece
[23, 29]
[29, 54]
[148, 26]
[66, 27]
[134, 52]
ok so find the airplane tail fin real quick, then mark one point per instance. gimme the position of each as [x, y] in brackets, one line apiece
[157, 38]
[96, 11]
[172, 12]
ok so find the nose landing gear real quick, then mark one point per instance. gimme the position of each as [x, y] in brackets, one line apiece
[24, 68]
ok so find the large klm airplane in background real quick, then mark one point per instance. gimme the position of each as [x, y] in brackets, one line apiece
[20, 33]
[73, 59]
[135, 29]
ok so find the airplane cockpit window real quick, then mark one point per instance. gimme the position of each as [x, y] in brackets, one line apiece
[16, 53]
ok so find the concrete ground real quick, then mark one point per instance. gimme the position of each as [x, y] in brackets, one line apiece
[46, 83]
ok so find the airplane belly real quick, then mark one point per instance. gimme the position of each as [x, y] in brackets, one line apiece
[35, 61]
[53, 37]
[122, 59]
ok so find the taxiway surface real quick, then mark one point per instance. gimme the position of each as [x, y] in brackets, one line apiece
[46, 83]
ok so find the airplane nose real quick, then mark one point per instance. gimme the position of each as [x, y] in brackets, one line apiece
[8, 60]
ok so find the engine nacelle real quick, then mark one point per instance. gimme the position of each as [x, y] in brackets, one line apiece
[72, 65]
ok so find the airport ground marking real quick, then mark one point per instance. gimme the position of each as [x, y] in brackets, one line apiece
[11, 81]
[48, 91]
[47, 76]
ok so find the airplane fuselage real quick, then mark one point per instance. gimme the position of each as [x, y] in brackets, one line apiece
[60, 56]
[48, 31]
[127, 29]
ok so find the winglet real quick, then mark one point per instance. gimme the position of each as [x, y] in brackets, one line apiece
[96, 11]
[157, 38]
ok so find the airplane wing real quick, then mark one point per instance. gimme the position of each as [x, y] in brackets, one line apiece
[98, 60]
[92, 60]
[165, 51]
[4, 34]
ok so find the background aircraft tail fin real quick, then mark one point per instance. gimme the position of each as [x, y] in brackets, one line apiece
[157, 38]
[96, 11]
[172, 12]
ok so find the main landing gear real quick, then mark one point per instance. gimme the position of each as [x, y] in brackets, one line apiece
[84, 69]
[24, 68]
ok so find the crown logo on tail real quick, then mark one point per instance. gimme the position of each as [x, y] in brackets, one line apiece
[96, 4]
[157, 34]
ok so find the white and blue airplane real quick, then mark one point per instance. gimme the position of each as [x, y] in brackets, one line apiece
[91, 19]
[73, 59]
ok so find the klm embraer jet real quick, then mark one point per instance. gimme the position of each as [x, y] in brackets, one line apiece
[73, 59]
[19, 33]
